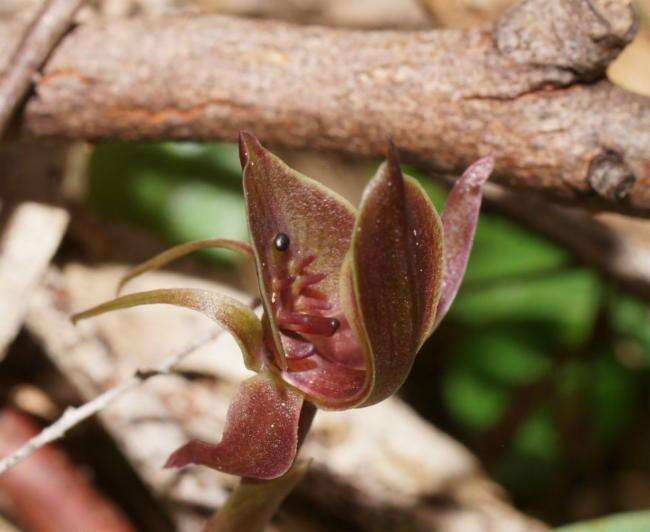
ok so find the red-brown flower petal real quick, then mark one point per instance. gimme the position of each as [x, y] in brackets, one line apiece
[260, 439]
[317, 222]
[396, 269]
[459, 220]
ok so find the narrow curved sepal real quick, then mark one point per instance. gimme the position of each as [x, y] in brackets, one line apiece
[459, 220]
[179, 251]
[317, 222]
[235, 317]
[396, 273]
[260, 439]
[253, 503]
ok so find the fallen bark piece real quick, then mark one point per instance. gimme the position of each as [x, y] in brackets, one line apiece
[364, 474]
[47, 493]
[30, 239]
[446, 97]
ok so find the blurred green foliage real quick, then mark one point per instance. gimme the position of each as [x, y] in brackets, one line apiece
[543, 365]
[182, 191]
[627, 522]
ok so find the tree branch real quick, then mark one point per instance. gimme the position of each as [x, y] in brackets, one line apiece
[40, 38]
[73, 416]
[527, 92]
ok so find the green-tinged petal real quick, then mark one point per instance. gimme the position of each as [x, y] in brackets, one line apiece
[234, 316]
[179, 251]
[261, 436]
[427, 249]
[396, 269]
[254, 502]
[459, 220]
[313, 224]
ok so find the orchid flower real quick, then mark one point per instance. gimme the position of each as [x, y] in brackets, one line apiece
[349, 297]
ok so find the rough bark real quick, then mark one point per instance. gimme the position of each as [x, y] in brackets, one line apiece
[414, 478]
[527, 92]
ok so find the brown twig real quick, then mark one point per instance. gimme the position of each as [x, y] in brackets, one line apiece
[533, 94]
[75, 415]
[36, 45]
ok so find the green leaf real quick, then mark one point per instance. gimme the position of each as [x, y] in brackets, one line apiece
[626, 522]
[566, 304]
[613, 395]
[538, 437]
[508, 355]
[223, 156]
[182, 191]
[473, 401]
[630, 319]
[197, 211]
[503, 249]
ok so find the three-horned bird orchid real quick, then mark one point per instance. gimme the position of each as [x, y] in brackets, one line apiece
[349, 298]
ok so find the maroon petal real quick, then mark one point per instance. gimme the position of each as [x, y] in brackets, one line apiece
[459, 220]
[260, 439]
[301, 233]
[395, 275]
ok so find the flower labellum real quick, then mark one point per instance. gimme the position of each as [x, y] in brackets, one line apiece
[349, 298]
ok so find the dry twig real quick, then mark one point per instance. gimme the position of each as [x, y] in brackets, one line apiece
[75, 415]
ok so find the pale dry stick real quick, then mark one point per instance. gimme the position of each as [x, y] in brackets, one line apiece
[29, 242]
[75, 415]
[47, 29]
